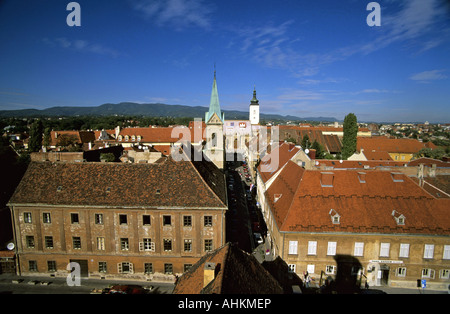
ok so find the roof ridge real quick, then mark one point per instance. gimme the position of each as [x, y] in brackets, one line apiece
[295, 193]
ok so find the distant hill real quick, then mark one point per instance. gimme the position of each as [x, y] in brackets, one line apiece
[151, 110]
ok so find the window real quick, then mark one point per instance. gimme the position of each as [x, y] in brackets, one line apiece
[310, 269]
[446, 252]
[331, 248]
[51, 266]
[76, 242]
[125, 268]
[46, 218]
[444, 273]
[384, 249]
[123, 219]
[124, 244]
[404, 250]
[168, 269]
[187, 245]
[187, 221]
[312, 247]
[27, 218]
[208, 245]
[32, 266]
[148, 268]
[30, 242]
[167, 245]
[291, 268]
[428, 251]
[428, 273]
[147, 245]
[74, 219]
[167, 220]
[359, 249]
[401, 271]
[99, 219]
[293, 247]
[330, 269]
[146, 220]
[48, 242]
[186, 267]
[207, 221]
[100, 243]
[102, 267]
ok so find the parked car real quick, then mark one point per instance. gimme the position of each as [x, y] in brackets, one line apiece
[127, 289]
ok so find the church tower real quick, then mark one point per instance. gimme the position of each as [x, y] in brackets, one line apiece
[215, 119]
[254, 109]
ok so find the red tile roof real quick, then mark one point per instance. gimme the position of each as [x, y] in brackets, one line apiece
[363, 206]
[237, 272]
[384, 144]
[272, 162]
[166, 183]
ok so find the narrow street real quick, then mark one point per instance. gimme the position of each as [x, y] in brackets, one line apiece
[245, 225]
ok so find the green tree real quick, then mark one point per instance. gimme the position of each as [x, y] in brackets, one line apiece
[305, 142]
[35, 143]
[350, 133]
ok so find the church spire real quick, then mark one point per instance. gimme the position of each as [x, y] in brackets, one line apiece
[254, 101]
[214, 105]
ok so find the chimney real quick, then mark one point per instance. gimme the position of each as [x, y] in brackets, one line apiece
[432, 171]
[312, 153]
[327, 179]
[208, 273]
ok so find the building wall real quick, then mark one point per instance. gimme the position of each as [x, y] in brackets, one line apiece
[376, 268]
[62, 231]
[401, 156]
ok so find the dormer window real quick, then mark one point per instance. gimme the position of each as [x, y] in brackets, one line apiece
[276, 197]
[127, 138]
[59, 189]
[335, 217]
[139, 138]
[120, 138]
[399, 218]
[133, 138]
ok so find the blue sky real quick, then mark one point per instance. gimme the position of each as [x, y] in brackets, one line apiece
[306, 58]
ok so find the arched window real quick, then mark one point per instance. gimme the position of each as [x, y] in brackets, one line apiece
[214, 140]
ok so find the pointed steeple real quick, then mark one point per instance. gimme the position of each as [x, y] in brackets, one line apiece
[214, 105]
[254, 101]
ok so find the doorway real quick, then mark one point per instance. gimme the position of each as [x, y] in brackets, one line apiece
[84, 271]
[384, 269]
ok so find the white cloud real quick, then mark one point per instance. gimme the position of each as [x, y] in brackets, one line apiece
[175, 13]
[82, 46]
[428, 76]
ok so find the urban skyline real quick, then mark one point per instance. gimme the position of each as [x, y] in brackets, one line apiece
[305, 59]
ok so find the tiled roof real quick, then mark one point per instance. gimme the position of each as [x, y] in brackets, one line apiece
[237, 272]
[167, 183]
[358, 164]
[428, 162]
[162, 135]
[364, 200]
[370, 155]
[281, 153]
[389, 145]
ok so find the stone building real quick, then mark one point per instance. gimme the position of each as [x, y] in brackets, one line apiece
[117, 220]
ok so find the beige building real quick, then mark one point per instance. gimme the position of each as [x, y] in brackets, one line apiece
[140, 221]
[398, 232]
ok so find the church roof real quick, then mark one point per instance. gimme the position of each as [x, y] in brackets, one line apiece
[214, 105]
